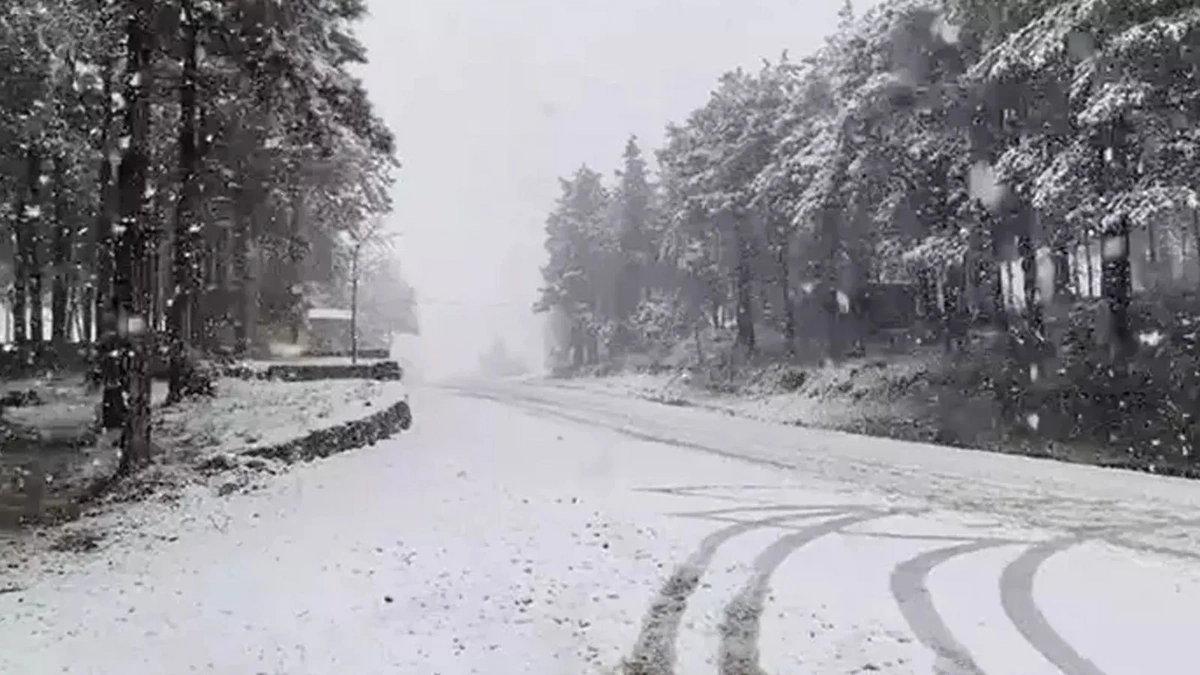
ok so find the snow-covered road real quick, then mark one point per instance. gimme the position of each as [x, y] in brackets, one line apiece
[528, 528]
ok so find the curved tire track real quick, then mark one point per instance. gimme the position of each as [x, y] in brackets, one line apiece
[909, 584]
[738, 651]
[1016, 596]
[654, 651]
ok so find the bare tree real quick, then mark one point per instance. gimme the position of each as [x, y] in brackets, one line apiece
[372, 239]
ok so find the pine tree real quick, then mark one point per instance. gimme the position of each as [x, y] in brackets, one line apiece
[634, 244]
[580, 254]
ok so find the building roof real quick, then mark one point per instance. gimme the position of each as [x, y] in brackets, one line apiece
[329, 314]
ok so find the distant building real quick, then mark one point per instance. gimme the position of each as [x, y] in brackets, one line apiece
[327, 329]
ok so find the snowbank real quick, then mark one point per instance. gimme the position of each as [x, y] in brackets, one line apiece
[247, 414]
[925, 396]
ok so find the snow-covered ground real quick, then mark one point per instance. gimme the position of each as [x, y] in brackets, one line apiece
[521, 528]
[255, 413]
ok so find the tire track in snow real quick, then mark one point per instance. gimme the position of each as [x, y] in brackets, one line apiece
[1016, 582]
[1016, 597]
[738, 653]
[654, 651]
[909, 584]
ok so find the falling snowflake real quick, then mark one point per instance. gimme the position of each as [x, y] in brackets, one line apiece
[985, 186]
[949, 33]
[1151, 338]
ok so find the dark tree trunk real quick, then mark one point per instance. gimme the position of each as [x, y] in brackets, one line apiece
[183, 263]
[219, 303]
[33, 259]
[785, 293]
[830, 280]
[127, 397]
[954, 309]
[25, 240]
[743, 281]
[1029, 270]
[1116, 280]
[86, 303]
[241, 272]
[294, 262]
[1063, 278]
[577, 348]
[34, 219]
[107, 368]
[201, 328]
[60, 326]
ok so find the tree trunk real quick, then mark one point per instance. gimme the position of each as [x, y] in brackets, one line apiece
[60, 326]
[1063, 278]
[577, 346]
[593, 347]
[86, 303]
[218, 306]
[107, 369]
[294, 262]
[744, 290]
[33, 260]
[34, 220]
[829, 280]
[1029, 270]
[128, 396]
[1116, 280]
[240, 273]
[785, 292]
[183, 262]
[25, 236]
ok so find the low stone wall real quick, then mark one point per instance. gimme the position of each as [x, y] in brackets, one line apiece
[340, 438]
[370, 354]
[295, 372]
[379, 370]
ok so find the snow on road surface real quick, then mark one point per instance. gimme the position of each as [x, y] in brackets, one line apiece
[525, 529]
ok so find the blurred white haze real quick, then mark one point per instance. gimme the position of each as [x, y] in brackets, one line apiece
[493, 100]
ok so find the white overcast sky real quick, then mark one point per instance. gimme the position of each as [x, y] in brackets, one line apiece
[492, 100]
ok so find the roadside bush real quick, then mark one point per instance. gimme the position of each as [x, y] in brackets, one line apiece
[792, 379]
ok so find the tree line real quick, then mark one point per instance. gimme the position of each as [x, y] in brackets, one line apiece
[175, 174]
[1014, 162]
[925, 135]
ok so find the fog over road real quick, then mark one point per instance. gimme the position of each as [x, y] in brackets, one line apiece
[538, 528]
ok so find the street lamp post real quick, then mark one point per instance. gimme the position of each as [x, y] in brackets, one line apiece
[354, 304]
